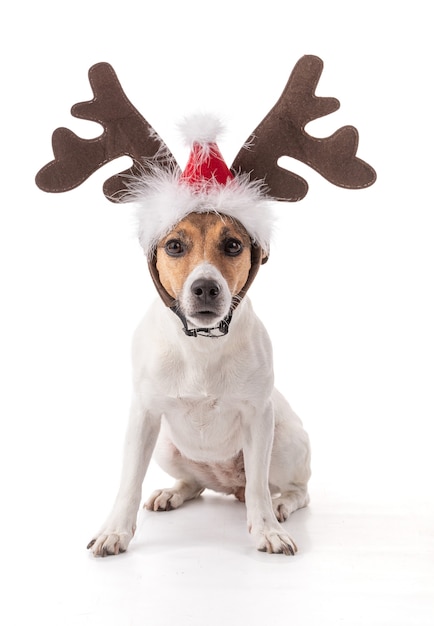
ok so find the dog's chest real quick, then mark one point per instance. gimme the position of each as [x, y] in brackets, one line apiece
[203, 411]
[204, 428]
[189, 375]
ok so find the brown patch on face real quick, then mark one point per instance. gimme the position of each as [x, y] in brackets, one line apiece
[200, 238]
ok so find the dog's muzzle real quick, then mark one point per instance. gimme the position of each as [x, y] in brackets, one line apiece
[257, 259]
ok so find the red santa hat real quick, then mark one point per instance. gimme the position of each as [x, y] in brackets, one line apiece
[206, 162]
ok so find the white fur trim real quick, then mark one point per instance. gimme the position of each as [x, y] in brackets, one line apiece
[162, 201]
[201, 128]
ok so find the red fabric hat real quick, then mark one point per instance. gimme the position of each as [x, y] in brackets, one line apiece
[206, 164]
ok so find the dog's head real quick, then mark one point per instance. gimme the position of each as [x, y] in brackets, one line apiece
[203, 267]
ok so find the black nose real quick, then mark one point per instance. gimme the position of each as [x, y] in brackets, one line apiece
[205, 290]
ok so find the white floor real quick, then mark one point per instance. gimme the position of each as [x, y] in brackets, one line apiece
[357, 564]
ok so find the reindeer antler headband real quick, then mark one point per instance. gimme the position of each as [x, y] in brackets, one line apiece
[166, 194]
[281, 133]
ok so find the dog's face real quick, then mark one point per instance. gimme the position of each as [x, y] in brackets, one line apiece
[202, 263]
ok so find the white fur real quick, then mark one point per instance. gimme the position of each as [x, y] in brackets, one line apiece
[201, 128]
[187, 301]
[206, 400]
[162, 201]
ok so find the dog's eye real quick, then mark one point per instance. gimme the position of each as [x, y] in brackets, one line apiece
[233, 247]
[174, 247]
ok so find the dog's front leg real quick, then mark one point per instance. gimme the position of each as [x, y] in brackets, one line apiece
[258, 433]
[118, 530]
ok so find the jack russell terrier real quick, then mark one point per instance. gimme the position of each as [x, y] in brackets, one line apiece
[204, 396]
[207, 404]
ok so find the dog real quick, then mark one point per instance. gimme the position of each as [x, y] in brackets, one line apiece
[206, 406]
[204, 394]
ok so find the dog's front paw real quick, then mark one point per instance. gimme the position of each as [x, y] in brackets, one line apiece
[110, 542]
[275, 542]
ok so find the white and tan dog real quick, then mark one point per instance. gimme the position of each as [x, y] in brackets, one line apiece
[205, 390]
[209, 405]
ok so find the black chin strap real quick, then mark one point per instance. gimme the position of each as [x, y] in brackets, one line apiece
[214, 332]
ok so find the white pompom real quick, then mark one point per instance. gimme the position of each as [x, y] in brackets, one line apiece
[201, 128]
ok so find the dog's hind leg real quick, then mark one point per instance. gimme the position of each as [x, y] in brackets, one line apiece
[290, 461]
[168, 499]
[286, 503]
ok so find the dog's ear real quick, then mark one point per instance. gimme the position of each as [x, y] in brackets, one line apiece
[282, 133]
[258, 257]
[168, 300]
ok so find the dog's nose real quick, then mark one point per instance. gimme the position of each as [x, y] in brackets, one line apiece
[205, 290]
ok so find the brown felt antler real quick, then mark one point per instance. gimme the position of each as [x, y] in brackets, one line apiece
[281, 133]
[126, 132]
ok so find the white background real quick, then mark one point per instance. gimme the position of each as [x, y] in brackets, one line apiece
[347, 297]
